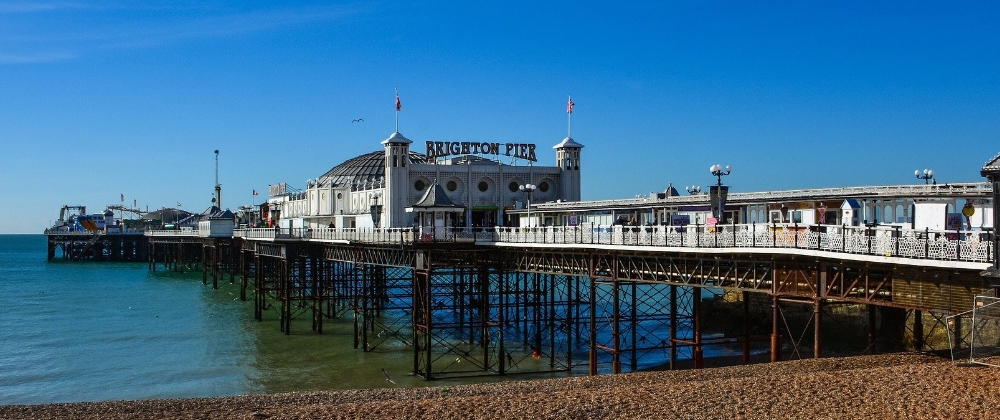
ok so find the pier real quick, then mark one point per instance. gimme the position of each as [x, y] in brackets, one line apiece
[560, 291]
[600, 299]
[97, 246]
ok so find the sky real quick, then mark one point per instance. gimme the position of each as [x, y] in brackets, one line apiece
[100, 99]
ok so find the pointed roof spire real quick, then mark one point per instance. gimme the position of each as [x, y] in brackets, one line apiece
[568, 142]
[435, 199]
[396, 138]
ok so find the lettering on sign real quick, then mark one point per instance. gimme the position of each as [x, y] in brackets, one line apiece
[524, 151]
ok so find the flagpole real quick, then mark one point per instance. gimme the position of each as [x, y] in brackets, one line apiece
[397, 110]
[569, 117]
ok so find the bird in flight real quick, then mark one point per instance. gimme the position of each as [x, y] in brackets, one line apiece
[357, 120]
[387, 378]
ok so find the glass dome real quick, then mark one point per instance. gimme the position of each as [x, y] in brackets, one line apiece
[366, 169]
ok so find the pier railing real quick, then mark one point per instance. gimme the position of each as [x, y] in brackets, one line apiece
[365, 235]
[886, 241]
[882, 241]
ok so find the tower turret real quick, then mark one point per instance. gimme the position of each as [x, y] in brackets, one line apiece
[397, 175]
[568, 159]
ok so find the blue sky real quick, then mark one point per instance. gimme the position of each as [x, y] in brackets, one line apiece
[102, 98]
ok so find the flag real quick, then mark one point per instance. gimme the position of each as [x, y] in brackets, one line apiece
[569, 105]
[399, 105]
[254, 192]
[135, 203]
[123, 198]
[178, 204]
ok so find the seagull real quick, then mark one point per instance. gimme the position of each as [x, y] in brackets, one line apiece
[387, 378]
[357, 120]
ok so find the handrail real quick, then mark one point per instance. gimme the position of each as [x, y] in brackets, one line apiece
[876, 240]
[964, 189]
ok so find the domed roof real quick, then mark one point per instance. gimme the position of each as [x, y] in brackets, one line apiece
[366, 169]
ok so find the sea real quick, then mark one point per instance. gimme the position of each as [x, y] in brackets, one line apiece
[100, 331]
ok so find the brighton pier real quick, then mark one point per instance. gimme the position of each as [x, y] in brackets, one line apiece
[605, 286]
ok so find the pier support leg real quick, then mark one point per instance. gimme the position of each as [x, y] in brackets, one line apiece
[746, 328]
[204, 267]
[918, 330]
[593, 325]
[699, 355]
[817, 328]
[616, 359]
[775, 335]
[872, 329]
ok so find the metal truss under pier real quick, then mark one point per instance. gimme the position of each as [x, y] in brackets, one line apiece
[466, 309]
[96, 246]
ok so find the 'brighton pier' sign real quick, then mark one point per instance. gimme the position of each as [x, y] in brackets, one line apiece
[445, 148]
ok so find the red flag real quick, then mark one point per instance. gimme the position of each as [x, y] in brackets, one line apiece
[399, 105]
[254, 192]
[569, 105]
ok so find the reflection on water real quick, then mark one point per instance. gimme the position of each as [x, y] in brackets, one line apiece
[84, 331]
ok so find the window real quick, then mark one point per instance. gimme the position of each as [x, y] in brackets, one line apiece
[512, 187]
[543, 187]
[419, 185]
[452, 185]
[484, 186]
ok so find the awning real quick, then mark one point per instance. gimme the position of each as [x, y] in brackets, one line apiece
[485, 208]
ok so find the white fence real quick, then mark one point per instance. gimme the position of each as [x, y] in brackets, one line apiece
[886, 241]
[972, 246]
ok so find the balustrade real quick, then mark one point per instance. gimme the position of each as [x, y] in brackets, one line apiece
[885, 241]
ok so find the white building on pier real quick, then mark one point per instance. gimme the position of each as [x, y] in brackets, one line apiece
[375, 189]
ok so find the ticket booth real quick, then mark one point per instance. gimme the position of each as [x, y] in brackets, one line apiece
[436, 215]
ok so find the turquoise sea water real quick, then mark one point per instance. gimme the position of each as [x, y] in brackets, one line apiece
[85, 331]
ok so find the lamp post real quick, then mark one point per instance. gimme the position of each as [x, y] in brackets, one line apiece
[693, 189]
[927, 175]
[376, 210]
[528, 189]
[720, 196]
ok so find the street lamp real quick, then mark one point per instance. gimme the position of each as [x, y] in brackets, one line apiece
[720, 195]
[693, 189]
[528, 189]
[927, 175]
[376, 210]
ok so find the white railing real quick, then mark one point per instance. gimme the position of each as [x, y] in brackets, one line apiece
[888, 241]
[67, 232]
[365, 235]
[965, 189]
[884, 241]
[176, 232]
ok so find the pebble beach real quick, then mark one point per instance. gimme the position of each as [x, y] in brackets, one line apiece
[894, 386]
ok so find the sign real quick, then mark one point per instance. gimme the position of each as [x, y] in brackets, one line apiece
[446, 148]
[574, 220]
[276, 189]
[968, 210]
[680, 219]
[953, 221]
[718, 196]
